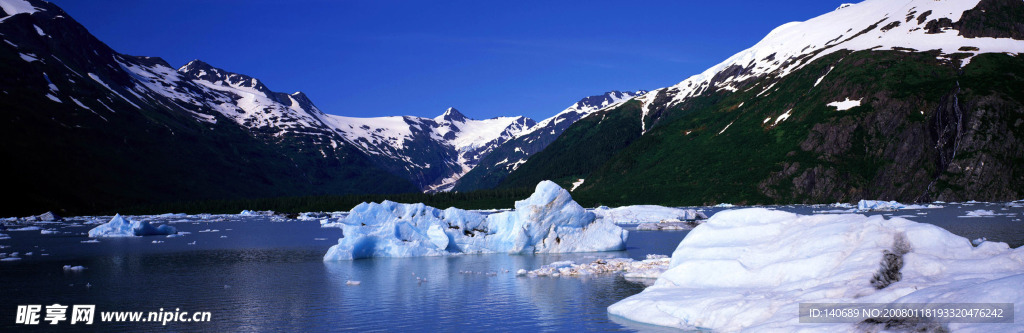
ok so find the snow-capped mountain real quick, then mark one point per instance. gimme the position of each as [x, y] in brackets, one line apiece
[433, 152]
[93, 129]
[907, 100]
[876, 25]
[142, 126]
[507, 157]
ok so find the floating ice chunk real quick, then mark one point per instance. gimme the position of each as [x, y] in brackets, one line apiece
[878, 205]
[69, 268]
[980, 213]
[352, 283]
[546, 222]
[668, 225]
[119, 227]
[647, 213]
[650, 268]
[749, 269]
[257, 213]
[725, 205]
[25, 229]
[91, 241]
[10, 259]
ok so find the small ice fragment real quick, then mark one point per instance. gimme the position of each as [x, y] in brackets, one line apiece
[69, 268]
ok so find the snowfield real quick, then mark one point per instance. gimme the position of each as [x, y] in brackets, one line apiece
[749, 269]
[549, 221]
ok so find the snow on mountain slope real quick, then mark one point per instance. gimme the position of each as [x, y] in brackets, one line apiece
[14, 7]
[474, 139]
[431, 152]
[509, 156]
[467, 134]
[903, 25]
[251, 104]
[583, 108]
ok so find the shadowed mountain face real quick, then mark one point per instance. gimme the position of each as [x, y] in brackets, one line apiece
[87, 128]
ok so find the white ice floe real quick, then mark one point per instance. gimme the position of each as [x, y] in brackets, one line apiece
[549, 221]
[647, 213]
[120, 227]
[878, 205]
[650, 268]
[352, 283]
[69, 268]
[748, 270]
[668, 225]
[257, 213]
[980, 213]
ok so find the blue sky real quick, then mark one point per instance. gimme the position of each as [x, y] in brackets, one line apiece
[485, 58]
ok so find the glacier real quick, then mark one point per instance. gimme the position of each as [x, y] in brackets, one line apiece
[749, 269]
[549, 221]
[121, 227]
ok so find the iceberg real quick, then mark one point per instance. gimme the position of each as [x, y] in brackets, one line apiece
[878, 205]
[748, 270]
[647, 213]
[247, 212]
[120, 227]
[549, 221]
[650, 268]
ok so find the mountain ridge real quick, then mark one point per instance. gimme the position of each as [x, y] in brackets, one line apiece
[807, 102]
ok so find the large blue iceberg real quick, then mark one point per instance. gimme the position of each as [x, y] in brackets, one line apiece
[549, 221]
[120, 227]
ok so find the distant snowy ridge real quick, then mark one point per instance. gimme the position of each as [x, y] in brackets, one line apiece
[515, 151]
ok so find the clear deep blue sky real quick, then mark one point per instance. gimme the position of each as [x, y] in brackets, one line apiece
[485, 58]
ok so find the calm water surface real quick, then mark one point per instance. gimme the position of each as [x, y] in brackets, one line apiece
[258, 274]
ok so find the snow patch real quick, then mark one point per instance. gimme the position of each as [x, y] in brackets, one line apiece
[845, 104]
[782, 117]
[15, 7]
[576, 184]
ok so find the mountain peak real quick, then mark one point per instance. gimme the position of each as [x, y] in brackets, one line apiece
[599, 101]
[195, 64]
[452, 115]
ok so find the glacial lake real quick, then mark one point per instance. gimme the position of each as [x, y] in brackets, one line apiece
[265, 274]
